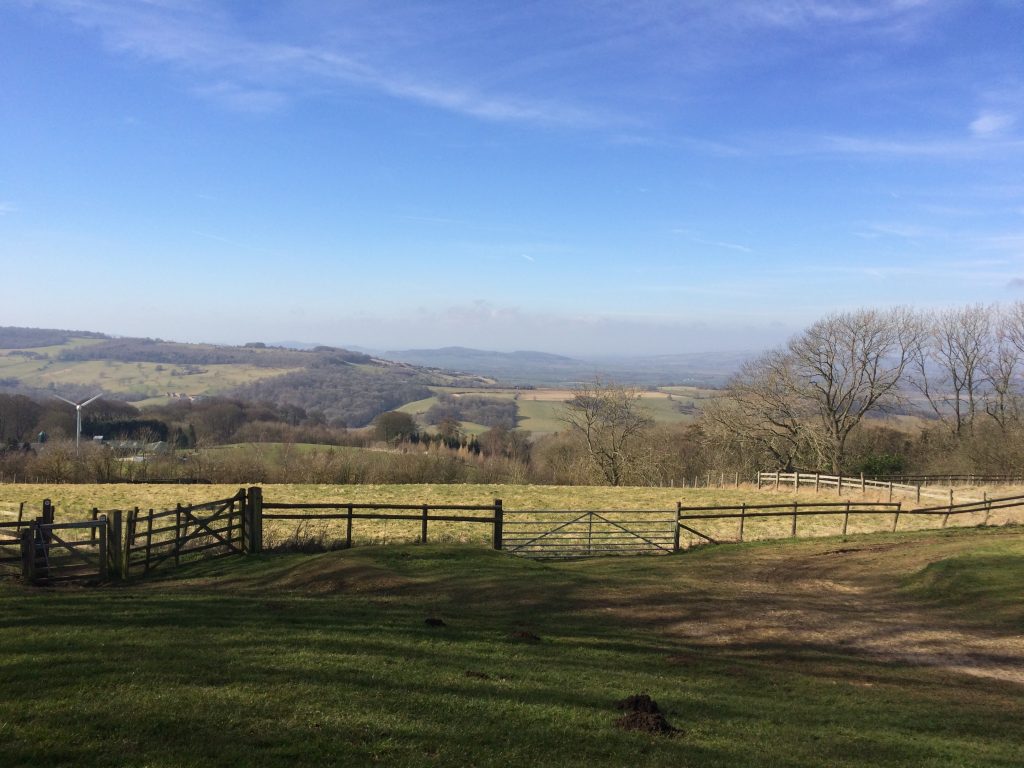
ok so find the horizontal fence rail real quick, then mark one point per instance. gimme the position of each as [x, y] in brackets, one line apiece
[48, 552]
[859, 483]
[971, 479]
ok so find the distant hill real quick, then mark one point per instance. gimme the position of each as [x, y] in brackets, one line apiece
[537, 368]
[347, 387]
[544, 369]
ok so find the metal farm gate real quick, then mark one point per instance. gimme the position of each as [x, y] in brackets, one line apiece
[574, 533]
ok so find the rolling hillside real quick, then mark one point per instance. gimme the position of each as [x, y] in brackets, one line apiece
[347, 387]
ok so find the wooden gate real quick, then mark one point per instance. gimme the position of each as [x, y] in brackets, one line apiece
[10, 547]
[156, 538]
[568, 533]
[57, 552]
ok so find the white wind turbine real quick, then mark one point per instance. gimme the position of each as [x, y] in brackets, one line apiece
[78, 415]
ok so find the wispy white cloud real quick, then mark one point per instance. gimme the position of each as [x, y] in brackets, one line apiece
[990, 124]
[691, 237]
[258, 75]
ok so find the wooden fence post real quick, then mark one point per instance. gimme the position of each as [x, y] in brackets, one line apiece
[28, 553]
[890, 490]
[348, 529]
[104, 552]
[839, 483]
[759, 480]
[499, 525]
[675, 524]
[863, 488]
[114, 543]
[177, 536]
[737, 483]
[988, 509]
[846, 518]
[945, 518]
[743, 518]
[254, 502]
[423, 526]
[149, 540]
[817, 481]
[794, 519]
[896, 520]
[777, 475]
[129, 540]
[918, 493]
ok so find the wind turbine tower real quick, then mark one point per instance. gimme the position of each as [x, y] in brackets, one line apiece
[78, 415]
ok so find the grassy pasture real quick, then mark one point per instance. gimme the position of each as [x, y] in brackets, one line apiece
[815, 653]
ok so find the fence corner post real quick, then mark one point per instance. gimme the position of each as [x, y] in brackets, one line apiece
[499, 525]
[675, 524]
[254, 506]
[759, 480]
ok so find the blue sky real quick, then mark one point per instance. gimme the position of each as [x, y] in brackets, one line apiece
[575, 177]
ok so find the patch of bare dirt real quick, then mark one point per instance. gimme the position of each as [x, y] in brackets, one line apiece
[524, 636]
[823, 598]
[642, 714]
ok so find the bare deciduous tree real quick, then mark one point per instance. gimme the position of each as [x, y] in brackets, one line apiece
[950, 364]
[610, 423]
[849, 365]
[761, 410]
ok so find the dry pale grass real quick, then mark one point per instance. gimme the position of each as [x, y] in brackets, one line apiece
[73, 502]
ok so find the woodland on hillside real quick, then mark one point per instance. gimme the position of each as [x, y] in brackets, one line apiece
[870, 391]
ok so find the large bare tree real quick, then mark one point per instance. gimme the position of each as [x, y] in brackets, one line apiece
[611, 424]
[951, 363]
[761, 410]
[849, 365]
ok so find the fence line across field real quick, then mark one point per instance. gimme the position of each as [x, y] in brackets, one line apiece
[859, 483]
[46, 551]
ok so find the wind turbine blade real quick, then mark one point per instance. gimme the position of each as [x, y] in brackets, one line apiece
[94, 397]
[66, 400]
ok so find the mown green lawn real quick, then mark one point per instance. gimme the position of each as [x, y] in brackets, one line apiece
[327, 660]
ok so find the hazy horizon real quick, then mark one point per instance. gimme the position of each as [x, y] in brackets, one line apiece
[571, 178]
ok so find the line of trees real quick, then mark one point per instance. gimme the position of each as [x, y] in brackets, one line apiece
[812, 402]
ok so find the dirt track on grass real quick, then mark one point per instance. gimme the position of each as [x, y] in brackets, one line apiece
[827, 598]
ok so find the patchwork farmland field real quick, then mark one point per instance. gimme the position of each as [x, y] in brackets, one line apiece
[540, 409]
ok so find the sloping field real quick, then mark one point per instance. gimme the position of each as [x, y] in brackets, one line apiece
[137, 379]
[880, 650]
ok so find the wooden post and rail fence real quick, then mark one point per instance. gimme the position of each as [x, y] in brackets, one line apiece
[121, 544]
[862, 484]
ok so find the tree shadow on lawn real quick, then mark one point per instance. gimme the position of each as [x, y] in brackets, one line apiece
[314, 682]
